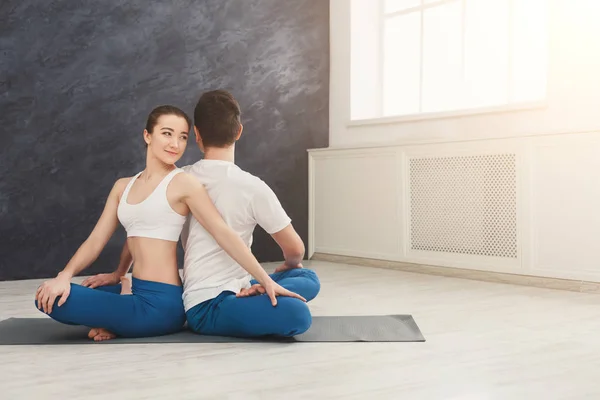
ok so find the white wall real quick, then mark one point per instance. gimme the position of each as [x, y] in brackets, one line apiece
[360, 187]
[572, 105]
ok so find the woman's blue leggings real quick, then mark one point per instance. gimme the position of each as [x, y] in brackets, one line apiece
[228, 315]
[153, 309]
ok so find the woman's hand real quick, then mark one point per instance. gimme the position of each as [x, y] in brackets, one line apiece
[102, 280]
[273, 289]
[50, 290]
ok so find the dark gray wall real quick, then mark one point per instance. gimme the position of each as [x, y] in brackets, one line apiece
[78, 78]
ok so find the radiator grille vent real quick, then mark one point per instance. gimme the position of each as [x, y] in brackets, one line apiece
[464, 204]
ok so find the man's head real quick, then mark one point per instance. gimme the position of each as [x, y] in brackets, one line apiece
[217, 120]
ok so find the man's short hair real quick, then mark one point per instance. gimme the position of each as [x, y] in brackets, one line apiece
[217, 117]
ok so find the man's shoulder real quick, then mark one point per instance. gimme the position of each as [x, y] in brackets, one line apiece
[187, 168]
[233, 174]
[252, 183]
[242, 178]
[249, 178]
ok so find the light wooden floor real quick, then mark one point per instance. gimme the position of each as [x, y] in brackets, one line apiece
[484, 341]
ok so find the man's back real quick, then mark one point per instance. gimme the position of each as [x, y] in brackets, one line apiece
[243, 200]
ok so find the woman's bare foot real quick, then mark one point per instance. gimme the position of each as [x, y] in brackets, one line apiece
[100, 334]
[125, 285]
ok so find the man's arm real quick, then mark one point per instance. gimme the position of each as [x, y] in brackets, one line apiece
[270, 215]
[291, 245]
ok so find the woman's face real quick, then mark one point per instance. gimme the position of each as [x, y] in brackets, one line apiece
[168, 139]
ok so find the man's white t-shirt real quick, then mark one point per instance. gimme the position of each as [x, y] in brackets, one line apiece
[244, 201]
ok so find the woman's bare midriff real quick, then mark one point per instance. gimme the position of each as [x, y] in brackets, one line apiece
[154, 260]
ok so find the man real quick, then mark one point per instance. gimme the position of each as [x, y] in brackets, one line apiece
[220, 298]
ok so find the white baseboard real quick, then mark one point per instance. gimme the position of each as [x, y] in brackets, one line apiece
[487, 276]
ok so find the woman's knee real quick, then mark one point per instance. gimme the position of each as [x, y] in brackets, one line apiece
[41, 309]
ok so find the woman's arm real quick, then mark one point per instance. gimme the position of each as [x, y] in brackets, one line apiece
[195, 196]
[87, 253]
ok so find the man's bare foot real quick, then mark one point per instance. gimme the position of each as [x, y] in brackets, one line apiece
[125, 285]
[253, 290]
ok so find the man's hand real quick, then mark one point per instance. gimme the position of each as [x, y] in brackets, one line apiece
[285, 267]
[102, 280]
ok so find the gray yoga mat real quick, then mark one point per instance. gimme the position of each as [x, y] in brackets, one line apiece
[371, 328]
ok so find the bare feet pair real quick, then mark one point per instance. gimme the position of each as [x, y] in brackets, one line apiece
[100, 334]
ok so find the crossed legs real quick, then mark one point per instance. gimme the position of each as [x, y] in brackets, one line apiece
[228, 315]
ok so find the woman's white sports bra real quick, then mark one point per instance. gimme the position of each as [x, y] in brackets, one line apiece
[153, 217]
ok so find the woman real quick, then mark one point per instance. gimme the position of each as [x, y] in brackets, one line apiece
[152, 207]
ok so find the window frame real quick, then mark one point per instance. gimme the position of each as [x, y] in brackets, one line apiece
[462, 112]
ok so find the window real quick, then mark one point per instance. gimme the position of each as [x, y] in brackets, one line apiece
[416, 57]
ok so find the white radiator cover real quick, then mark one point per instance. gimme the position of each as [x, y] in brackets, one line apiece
[525, 205]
